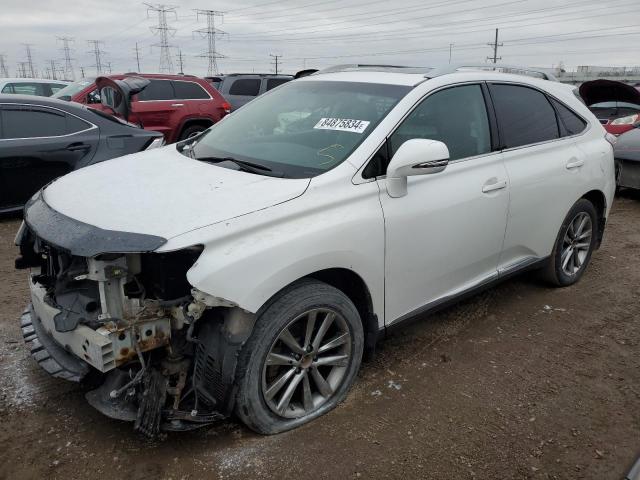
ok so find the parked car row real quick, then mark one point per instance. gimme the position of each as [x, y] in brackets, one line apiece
[247, 270]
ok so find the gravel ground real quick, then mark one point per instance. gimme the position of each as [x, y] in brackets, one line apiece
[522, 381]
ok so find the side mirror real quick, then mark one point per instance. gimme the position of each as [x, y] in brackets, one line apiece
[415, 157]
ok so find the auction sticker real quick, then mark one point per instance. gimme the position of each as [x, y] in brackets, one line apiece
[342, 124]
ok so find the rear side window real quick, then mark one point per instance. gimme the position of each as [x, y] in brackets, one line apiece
[249, 87]
[31, 122]
[525, 115]
[189, 91]
[74, 124]
[26, 89]
[276, 82]
[56, 87]
[157, 90]
[570, 122]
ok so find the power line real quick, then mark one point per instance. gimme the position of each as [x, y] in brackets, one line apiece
[274, 62]
[210, 32]
[69, 74]
[495, 46]
[29, 63]
[164, 32]
[97, 52]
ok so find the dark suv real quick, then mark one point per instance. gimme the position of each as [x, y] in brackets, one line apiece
[241, 88]
[178, 106]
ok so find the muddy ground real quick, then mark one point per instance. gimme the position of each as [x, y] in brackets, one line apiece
[522, 381]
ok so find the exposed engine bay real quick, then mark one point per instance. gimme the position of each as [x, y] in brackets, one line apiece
[164, 351]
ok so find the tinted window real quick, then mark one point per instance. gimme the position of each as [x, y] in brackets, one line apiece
[56, 87]
[26, 88]
[455, 116]
[74, 124]
[245, 86]
[189, 91]
[157, 90]
[525, 115]
[27, 122]
[276, 82]
[570, 123]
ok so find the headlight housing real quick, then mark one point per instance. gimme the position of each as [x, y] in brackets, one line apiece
[628, 120]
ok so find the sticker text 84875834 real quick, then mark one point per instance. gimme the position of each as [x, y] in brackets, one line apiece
[342, 124]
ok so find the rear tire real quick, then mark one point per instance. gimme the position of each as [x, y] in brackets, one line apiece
[574, 245]
[301, 359]
[191, 131]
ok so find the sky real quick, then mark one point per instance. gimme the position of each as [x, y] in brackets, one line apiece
[316, 34]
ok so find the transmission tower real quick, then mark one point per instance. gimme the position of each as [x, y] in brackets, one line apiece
[276, 61]
[22, 70]
[97, 52]
[53, 70]
[164, 32]
[69, 74]
[181, 62]
[211, 32]
[30, 71]
[495, 46]
[4, 71]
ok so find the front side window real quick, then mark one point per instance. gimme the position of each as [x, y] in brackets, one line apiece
[157, 90]
[456, 116]
[73, 88]
[249, 87]
[525, 115]
[189, 91]
[302, 129]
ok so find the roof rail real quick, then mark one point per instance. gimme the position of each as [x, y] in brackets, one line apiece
[352, 67]
[496, 67]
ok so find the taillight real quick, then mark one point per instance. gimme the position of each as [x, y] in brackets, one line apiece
[226, 106]
[612, 139]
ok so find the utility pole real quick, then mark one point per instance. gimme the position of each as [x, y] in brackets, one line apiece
[181, 72]
[495, 46]
[29, 63]
[97, 52]
[69, 74]
[82, 71]
[450, 51]
[163, 31]
[211, 32]
[137, 50]
[4, 71]
[275, 61]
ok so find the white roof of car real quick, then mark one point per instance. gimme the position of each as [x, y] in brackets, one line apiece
[32, 80]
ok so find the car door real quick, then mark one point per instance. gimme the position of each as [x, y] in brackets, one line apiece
[156, 108]
[446, 234]
[544, 169]
[39, 144]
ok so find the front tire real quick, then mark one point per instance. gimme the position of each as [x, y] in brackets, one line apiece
[574, 245]
[301, 359]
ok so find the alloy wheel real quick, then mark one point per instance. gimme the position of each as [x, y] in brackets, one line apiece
[307, 363]
[576, 243]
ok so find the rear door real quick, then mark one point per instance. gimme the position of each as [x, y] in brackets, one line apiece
[545, 172]
[39, 144]
[156, 108]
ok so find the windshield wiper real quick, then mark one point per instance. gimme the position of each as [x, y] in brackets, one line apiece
[250, 167]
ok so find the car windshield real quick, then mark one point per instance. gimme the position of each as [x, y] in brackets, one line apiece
[72, 89]
[303, 128]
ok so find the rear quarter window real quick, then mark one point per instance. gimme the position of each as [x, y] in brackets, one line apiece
[276, 82]
[569, 121]
[249, 87]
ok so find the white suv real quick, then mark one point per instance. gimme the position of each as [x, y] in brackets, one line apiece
[247, 270]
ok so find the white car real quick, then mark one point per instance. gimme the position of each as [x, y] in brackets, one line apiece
[31, 86]
[247, 270]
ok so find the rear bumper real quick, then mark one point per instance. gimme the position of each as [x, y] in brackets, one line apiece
[629, 173]
[54, 359]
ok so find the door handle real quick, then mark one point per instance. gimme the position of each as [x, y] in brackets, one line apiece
[76, 147]
[574, 163]
[177, 104]
[496, 185]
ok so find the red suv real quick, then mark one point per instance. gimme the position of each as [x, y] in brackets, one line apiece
[178, 106]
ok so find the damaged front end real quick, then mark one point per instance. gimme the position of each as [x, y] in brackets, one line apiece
[166, 351]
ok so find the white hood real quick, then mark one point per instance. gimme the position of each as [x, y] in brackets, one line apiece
[161, 192]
